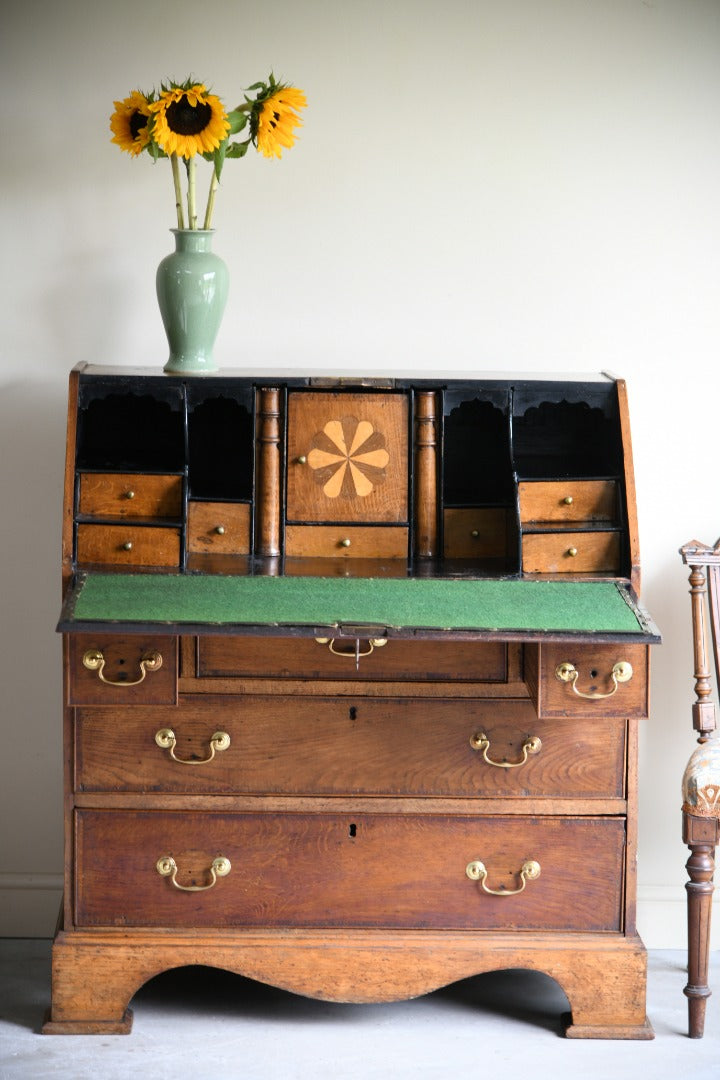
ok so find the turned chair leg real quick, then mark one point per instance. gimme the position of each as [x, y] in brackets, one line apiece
[700, 834]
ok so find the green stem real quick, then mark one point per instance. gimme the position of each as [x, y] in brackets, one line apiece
[211, 200]
[178, 191]
[192, 209]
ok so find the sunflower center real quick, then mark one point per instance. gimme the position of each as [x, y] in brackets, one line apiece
[137, 123]
[186, 119]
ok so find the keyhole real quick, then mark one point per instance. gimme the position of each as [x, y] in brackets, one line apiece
[352, 831]
[353, 716]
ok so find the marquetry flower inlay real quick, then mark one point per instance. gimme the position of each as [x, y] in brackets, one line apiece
[348, 458]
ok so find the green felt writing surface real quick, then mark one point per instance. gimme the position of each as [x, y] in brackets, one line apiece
[413, 603]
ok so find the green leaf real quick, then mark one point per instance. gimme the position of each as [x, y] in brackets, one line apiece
[237, 150]
[220, 154]
[238, 120]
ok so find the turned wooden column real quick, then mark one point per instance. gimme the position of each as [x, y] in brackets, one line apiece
[701, 836]
[268, 494]
[426, 485]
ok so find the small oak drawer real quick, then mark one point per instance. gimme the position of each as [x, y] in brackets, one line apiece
[568, 500]
[571, 553]
[219, 528]
[475, 533]
[294, 746]
[130, 495]
[347, 457]
[128, 545]
[174, 869]
[350, 542]
[588, 680]
[400, 661]
[105, 669]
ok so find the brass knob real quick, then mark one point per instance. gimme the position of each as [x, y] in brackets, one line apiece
[572, 552]
[220, 530]
[129, 494]
[475, 533]
[345, 542]
[302, 460]
[127, 546]
[568, 500]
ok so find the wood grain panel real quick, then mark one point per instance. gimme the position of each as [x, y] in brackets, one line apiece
[571, 553]
[130, 495]
[594, 663]
[348, 457]
[122, 665]
[225, 656]
[148, 545]
[347, 541]
[568, 500]
[218, 528]
[476, 533]
[326, 870]
[374, 747]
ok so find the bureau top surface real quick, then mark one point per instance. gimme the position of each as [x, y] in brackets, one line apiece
[510, 608]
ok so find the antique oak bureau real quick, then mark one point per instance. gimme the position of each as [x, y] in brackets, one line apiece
[353, 674]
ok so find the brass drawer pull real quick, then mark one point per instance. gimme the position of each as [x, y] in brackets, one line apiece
[165, 738]
[480, 741]
[356, 652]
[529, 871]
[622, 672]
[94, 660]
[167, 867]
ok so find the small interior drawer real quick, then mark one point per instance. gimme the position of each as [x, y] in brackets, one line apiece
[130, 495]
[218, 528]
[568, 500]
[475, 532]
[336, 870]
[128, 545]
[246, 657]
[347, 541]
[585, 680]
[106, 669]
[571, 553]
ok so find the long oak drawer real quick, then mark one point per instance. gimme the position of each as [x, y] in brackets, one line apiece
[356, 746]
[328, 870]
[280, 658]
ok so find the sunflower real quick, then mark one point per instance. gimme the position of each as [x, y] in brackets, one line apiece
[275, 118]
[189, 121]
[129, 123]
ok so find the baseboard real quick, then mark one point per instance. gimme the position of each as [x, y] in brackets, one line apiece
[29, 905]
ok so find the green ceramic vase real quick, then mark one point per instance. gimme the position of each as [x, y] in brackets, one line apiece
[192, 288]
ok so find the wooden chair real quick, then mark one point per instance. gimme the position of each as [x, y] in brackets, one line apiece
[701, 781]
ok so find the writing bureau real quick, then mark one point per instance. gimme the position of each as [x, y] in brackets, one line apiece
[353, 675]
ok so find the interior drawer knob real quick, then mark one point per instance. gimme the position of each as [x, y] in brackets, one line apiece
[127, 546]
[129, 494]
[167, 867]
[345, 542]
[166, 740]
[479, 741]
[529, 871]
[572, 552]
[220, 530]
[568, 500]
[622, 672]
[94, 660]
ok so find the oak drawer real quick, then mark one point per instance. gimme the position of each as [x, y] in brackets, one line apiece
[475, 532]
[568, 500]
[350, 542]
[359, 746]
[401, 661]
[347, 457]
[106, 669]
[586, 681]
[131, 545]
[130, 495]
[571, 553]
[219, 528]
[325, 870]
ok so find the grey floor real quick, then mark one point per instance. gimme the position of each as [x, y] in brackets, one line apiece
[195, 1023]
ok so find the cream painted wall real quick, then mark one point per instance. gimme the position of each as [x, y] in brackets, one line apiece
[480, 185]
